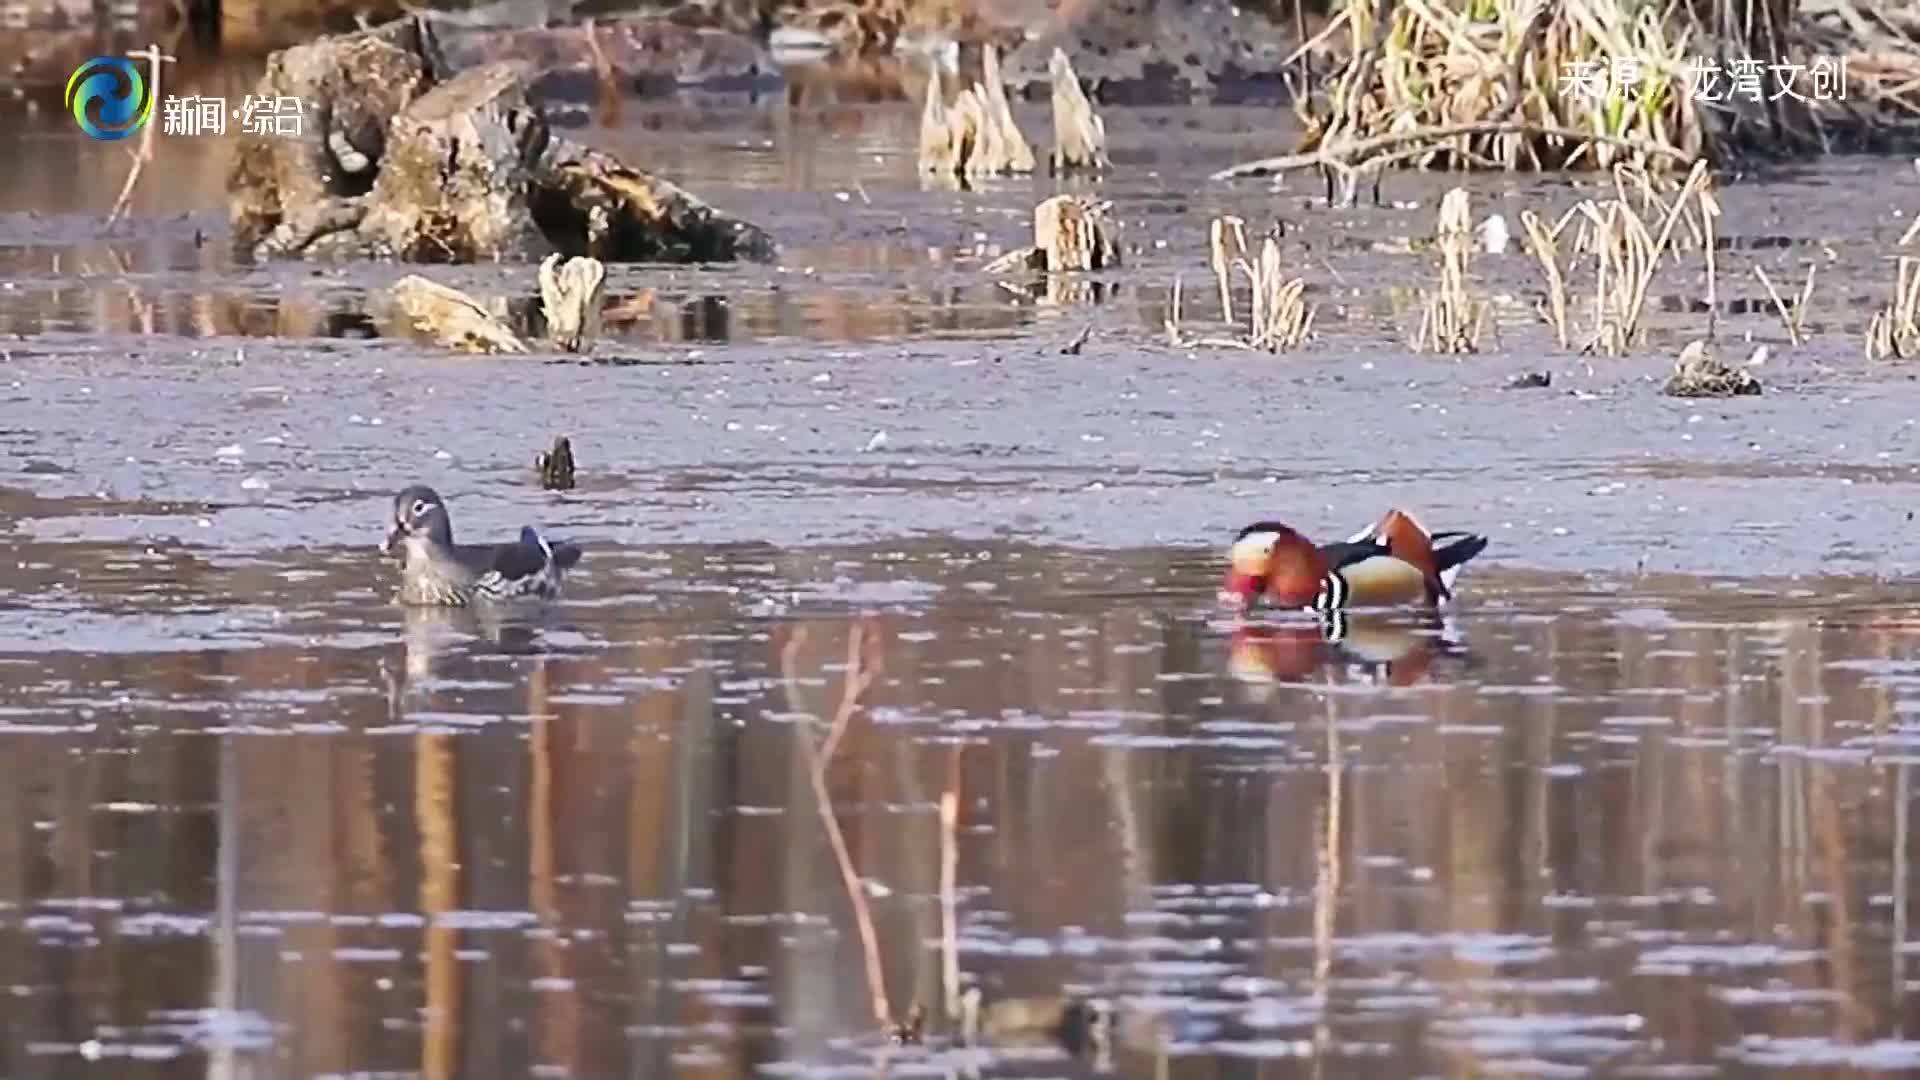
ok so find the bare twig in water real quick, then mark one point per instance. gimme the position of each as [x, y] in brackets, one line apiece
[858, 678]
[154, 58]
[1792, 316]
[1072, 348]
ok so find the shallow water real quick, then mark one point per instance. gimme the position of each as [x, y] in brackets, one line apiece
[262, 821]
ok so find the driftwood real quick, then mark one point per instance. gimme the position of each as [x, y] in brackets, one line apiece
[1079, 136]
[1070, 232]
[976, 134]
[397, 160]
[570, 296]
[453, 318]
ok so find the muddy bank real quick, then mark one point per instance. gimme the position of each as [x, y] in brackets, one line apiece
[1119, 446]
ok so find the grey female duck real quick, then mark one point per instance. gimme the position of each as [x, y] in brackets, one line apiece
[437, 572]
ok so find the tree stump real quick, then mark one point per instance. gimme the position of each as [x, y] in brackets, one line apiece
[453, 186]
[1070, 232]
[398, 161]
[286, 191]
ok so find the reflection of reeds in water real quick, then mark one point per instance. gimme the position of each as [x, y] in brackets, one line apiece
[1894, 332]
[1452, 320]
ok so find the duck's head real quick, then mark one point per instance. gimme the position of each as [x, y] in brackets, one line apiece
[1271, 559]
[417, 511]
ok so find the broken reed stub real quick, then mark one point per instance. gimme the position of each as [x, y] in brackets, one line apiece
[975, 135]
[1079, 135]
[556, 465]
[452, 318]
[1070, 232]
[570, 298]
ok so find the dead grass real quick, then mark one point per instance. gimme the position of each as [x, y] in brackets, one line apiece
[1278, 319]
[1453, 319]
[1792, 316]
[1894, 332]
[1478, 84]
[1625, 246]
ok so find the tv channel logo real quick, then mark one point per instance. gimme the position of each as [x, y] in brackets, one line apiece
[108, 98]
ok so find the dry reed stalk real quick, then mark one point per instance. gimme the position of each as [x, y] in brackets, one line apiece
[1019, 155]
[1226, 246]
[975, 135]
[1452, 319]
[1894, 332]
[1627, 254]
[1544, 244]
[1479, 83]
[1079, 135]
[154, 58]
[858, 678]
[1280, 318]
[571, 296]
[1792, 316]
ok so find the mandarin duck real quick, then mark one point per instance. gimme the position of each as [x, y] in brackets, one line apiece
[437, 572]
[1394, 561]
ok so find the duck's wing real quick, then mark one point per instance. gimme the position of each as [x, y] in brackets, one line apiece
[1348, 552]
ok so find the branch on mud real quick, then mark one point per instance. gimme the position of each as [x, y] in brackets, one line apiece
[858, 679]
[1359, 154]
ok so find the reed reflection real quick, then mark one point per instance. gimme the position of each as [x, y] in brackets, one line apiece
[1664, 828]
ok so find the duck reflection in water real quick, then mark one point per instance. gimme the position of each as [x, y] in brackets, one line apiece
[1382, 649]
[432, 634]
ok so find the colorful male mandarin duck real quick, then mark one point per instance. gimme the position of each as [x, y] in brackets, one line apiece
[1395, 561]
